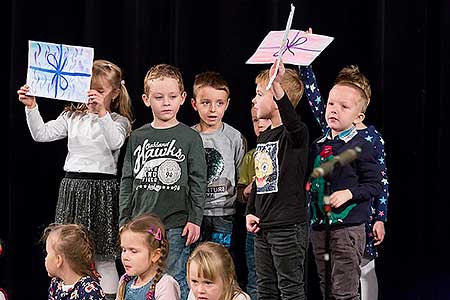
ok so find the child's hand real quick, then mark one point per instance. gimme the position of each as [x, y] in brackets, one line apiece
[96, 103]
[340, 197]
[378, 232]
[193, 233]
[280, 73]
[29, 101]
[248, 189]
[252, 223]
[309, 31]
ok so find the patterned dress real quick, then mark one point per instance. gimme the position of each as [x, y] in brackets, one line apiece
[86, 288]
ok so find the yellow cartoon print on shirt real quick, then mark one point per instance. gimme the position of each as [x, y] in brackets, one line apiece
[263, 168]
[266, 167]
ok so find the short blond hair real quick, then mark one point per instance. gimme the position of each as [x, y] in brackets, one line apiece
[290, 83]
[351, 75]
[161, 71]
[215, 263]
[211, 79]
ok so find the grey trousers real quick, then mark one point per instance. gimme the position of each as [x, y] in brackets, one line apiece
[346, 249]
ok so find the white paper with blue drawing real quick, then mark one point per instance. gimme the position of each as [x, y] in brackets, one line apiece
[59, 71]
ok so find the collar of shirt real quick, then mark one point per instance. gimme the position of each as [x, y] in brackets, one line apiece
[345, 135]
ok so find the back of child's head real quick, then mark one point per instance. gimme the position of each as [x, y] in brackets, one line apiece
[211, 79]
[352, 76]
[161, 71]
[291, 84]
[214, 262]
[74, 243]
[154, 231]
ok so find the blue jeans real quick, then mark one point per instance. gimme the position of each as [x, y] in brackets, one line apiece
[250, 254]
[217, 229]
[177, 259]
[280, 257]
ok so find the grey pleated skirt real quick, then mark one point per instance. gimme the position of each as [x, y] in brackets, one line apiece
[93, 201]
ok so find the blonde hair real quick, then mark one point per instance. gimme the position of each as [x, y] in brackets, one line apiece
[113, 74]
[351, 75]
[74, 242]
[149, 225]
[290, 83]
[215, 263]
[163, 71]
[211, 79]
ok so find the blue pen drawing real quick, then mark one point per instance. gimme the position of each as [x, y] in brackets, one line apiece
[59, 71]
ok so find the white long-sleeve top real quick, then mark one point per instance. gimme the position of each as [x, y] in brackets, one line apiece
[93, 143]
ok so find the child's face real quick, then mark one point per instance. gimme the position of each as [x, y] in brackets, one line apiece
[263, 103]
[52, 259]
[204, 288]
[137, 258]
[259, 125]
[211, 105]
[104, 88]
[164, 98]
[343, 108]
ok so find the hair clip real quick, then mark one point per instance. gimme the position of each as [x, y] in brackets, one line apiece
[156, 233]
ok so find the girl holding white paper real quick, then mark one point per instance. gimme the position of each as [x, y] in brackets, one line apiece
[95, 133]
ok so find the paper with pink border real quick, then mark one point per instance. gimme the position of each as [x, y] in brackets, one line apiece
[302, 48]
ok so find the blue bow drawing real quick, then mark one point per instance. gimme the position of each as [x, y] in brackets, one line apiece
[59, 80]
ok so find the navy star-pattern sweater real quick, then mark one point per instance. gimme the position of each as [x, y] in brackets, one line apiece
[378, 205]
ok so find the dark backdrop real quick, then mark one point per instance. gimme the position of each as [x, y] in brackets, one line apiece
[402, 47]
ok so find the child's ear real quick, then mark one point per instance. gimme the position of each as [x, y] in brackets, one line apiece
[59, 260]
[359, 118]
[146, 100]
[183, 97]
[275, 105]
[156, 255]
[194, 104]
[228, 103]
